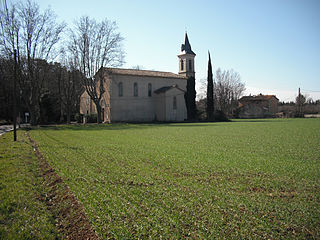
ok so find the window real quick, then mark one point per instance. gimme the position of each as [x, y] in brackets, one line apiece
[103, 103]
[120, 89]
[174, 103]
[149, 89]
[181, 64]
[135, 89]
[190, 65]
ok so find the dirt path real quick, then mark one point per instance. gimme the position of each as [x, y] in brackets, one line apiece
[8, 128]
[72, 221]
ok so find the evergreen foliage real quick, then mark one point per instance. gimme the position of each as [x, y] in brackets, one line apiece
[190, 98]
[210, 103]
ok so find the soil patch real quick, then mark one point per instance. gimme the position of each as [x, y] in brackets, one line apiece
[72, 221]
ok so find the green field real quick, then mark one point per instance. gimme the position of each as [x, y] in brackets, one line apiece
[243, 179]
[22, 214]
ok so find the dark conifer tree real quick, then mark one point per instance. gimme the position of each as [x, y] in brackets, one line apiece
[190, 98]
[210, 103]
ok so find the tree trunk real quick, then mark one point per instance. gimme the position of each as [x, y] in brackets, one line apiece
[98, 112]
[68, 118]
[34, 108]
[61, 112]
[68, 114]
[34, 114]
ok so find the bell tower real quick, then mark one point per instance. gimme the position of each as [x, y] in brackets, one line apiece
[186, 59]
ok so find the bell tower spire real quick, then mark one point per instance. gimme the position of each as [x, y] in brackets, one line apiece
[186, 59]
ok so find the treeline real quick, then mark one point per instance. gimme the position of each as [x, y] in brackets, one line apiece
[28, 43]
[50, 63]
[303, 105]
[52, 96]
[226, 90]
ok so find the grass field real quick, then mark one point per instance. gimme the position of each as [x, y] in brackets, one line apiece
[244, 179]
[22, 214]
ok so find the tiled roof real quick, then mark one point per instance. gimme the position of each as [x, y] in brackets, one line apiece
[147, 73]
[259, 97]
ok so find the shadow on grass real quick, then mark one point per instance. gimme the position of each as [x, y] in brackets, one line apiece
[136, 126]
[120, 126]
[269, 120]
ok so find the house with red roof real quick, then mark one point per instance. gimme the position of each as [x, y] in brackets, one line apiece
[258, 106]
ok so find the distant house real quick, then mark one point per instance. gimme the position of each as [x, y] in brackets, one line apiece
[259, 106]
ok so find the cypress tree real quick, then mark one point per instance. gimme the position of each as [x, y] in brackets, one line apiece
[190, 98]
[210, 103]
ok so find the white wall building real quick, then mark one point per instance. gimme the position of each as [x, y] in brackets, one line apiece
[144, 96]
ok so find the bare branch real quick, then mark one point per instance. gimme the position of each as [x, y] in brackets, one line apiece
[95, 45]
[34, 35]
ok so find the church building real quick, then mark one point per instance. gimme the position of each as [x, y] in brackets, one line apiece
[144, 96]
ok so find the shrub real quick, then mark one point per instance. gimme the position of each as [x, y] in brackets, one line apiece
[91, 118]
[220, 116]
[78, 117]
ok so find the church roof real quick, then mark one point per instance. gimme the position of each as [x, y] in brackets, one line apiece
[167, 88]
[186, 47]
[146, 73]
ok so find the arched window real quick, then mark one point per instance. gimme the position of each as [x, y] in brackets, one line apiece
[135, 89]
[174, 103]
[149, 89]
[120, 89]
[181, 64]
[190, 65]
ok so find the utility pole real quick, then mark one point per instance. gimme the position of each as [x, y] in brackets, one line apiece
[299, 103]
[15, 97]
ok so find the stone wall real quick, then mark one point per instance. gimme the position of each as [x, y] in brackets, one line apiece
[141, 108]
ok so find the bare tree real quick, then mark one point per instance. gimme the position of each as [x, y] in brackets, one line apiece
[34, 35]
[6, 90]
[228, 89]
[202, 89]
[137, 67]
[95, 45]
[300, 102]
[69, 85]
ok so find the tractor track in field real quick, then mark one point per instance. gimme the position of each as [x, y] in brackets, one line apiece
[71, 219]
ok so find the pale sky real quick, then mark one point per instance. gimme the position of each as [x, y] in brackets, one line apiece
[273, 44]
